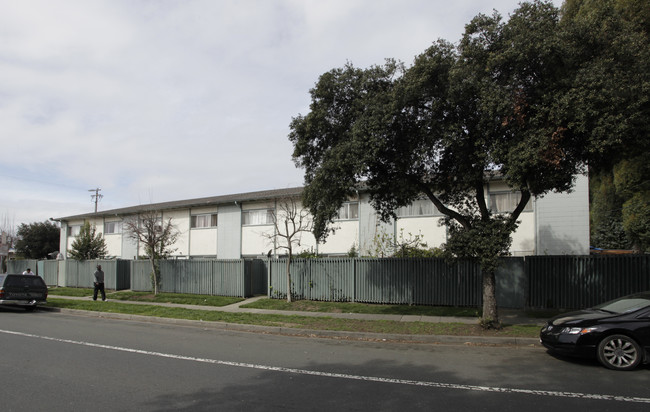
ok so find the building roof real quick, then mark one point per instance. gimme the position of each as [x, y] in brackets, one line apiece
[216, 200]
[200, 202]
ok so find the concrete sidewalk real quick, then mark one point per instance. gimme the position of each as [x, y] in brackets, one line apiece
[508, 317]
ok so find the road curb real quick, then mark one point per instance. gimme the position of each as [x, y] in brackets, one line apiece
[342, 335]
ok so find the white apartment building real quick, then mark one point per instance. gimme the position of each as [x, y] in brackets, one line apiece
[237, 226]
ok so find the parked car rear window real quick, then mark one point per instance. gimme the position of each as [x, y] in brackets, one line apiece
[24, 280]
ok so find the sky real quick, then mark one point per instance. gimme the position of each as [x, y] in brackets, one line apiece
[154, 101]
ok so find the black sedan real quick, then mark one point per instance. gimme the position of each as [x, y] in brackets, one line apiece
[617, 333]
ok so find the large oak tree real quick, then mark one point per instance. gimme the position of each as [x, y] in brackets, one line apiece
[37, 240]
[619, 187]
[529, 99]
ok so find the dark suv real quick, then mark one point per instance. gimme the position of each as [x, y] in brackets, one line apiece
[22, 290]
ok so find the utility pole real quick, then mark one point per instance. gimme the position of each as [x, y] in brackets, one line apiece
[96, 196]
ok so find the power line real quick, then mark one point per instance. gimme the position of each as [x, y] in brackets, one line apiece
[45, 182]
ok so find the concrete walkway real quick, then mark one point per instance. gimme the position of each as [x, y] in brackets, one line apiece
[508, 317]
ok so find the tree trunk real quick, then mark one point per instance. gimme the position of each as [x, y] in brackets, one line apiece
[490, 319]
[289, 278]
[154, 271]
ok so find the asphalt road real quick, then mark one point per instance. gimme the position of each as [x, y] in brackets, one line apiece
[62, 362]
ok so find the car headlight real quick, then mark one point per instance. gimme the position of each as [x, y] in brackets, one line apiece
[577, 331]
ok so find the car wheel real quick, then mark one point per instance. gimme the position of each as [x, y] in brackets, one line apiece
[619, 352]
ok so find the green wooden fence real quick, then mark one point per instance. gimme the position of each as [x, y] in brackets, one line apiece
[557, 282]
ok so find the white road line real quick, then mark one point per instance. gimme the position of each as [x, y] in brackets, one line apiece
[344, 375]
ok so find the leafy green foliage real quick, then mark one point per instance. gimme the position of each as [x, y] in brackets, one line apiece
[633, 185]
[410, 246]
[620, 208]
[37, 240]
[605, 212]
[88, 245]
[609, 64]
[619, 185]
[636, 220]
[352, 252]
[532, 99]
[308, 254]
[486, 241]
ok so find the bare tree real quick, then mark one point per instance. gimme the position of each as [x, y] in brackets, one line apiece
[7, 239]
[157, 236]
[289, 222]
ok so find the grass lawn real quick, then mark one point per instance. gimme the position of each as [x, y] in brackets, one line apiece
[295, 321]
[351, 307]
[76, 292]
[180, 298]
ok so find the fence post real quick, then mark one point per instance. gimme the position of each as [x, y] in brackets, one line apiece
[268, 278]
[353, 261]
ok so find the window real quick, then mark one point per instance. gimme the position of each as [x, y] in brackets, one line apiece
[420, 207]
[507, 202]
[205, 220]
[257, 217]
[112, 227]
[74, 230]
[349, 211]
[144, 223]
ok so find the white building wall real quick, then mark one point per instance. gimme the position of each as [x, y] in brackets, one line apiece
[113, 244]
[302, 241]
[203, 242]
[98, 224]
[63, 239]
[427, 228]
[563, 221]
[129, 247]
[180, 219]
[342, 240]
[306, 243]
[70, 239]
[229, 232]
[370, 226]
[558, 224]
[523, 239]
[113, 240]
[255, 240]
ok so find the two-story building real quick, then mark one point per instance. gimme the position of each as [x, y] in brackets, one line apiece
[241, 225]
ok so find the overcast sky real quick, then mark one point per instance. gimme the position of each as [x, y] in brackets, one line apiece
[154, 101]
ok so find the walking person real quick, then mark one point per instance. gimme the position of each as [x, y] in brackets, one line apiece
[28, 272]
[99, 283]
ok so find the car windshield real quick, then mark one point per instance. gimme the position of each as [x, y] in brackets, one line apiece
[625, 304]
